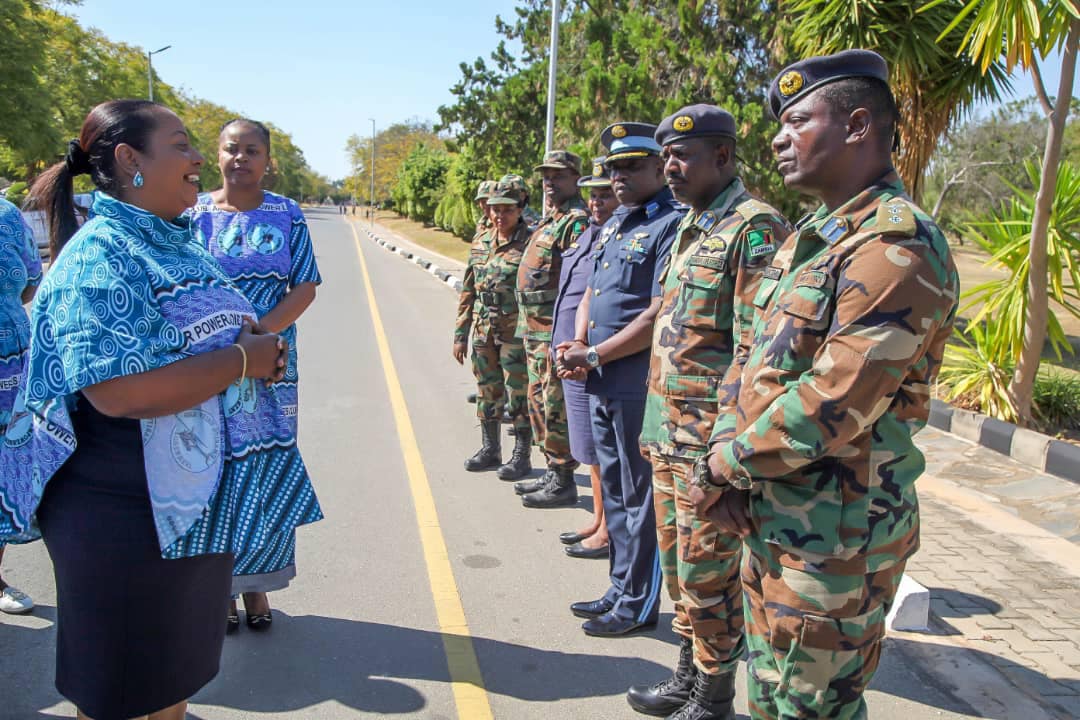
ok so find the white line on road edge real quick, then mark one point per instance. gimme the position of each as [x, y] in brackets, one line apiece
[470, 695]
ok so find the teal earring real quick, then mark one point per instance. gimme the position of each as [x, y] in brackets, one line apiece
[137, 181]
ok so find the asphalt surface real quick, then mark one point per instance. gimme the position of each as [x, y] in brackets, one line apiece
[357, 633]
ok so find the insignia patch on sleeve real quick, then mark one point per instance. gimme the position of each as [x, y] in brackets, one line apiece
[761, 242]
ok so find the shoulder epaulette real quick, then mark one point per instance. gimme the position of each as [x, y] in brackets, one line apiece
[896, 216]
[751, 209]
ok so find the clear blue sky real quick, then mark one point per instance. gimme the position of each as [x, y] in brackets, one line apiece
[320, 68]
[315, 68]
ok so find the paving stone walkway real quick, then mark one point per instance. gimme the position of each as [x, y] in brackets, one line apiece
[992, 588]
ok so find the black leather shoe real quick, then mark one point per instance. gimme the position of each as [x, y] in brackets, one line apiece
[610, 625]
[591, 609]
[569, 538]
[577, 550]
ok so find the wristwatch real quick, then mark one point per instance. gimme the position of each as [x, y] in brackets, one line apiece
[592, 357]
[703, 476]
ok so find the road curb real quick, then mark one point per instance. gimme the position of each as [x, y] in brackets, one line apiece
[449, 280]
[1026, 446]
[1043, 452]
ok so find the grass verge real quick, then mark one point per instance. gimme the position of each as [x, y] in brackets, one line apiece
[431, 238]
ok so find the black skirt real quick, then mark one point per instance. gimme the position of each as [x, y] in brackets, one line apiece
[135, 633]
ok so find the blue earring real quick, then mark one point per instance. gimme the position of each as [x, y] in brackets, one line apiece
[137, 181]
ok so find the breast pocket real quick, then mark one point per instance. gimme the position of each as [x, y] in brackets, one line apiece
[799, 320]
[703, 294]
[538, 273]
[634, 270]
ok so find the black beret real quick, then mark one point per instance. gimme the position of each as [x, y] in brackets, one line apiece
[699, 120]
[798, 79]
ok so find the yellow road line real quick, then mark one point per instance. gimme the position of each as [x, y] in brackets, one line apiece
[470, 696]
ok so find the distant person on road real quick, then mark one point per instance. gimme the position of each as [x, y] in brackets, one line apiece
[20, 274]
[611, 344]
[537, 288]
[262, 242]
[489, 308]
[145, 443]
[590, 542]
[812, 458]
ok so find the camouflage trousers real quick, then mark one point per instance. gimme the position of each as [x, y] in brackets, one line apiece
[499, 369]
[547, 407]
[701, 570]
[814, 639]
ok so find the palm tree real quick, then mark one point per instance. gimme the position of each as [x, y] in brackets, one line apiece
[1020, 32]
[934, 85]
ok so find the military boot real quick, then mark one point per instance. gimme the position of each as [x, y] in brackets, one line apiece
[561, 491]
[712, 698]
[524, 487]
[520, 463]
[667, 696]
[489, 456]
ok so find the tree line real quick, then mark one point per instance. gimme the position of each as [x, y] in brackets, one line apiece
[55, 71]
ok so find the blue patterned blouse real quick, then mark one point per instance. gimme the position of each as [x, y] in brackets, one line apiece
[20, 267]
[266, 251]
[131, 293]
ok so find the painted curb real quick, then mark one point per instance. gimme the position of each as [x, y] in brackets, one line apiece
[449, 280]
[1043, 452]
[1031, 448]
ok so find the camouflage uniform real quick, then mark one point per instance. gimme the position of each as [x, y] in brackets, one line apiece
[709, 283]
[488, 303]
[537, 288]
[853, 317]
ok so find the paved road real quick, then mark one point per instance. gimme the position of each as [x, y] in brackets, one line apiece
[358, 633]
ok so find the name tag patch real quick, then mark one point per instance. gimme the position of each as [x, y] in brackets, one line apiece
[708, 261]
[773, 272]
[812, 279]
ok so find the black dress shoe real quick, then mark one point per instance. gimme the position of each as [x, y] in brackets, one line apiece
[569, 538]
[610, 625]
[591, 609]
[577, 550]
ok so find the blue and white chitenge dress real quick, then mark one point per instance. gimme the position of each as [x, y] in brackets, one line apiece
[130, 293]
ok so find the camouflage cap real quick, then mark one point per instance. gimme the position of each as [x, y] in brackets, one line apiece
[560, 160]
[484, 190]
[510, 190]
[599, 177]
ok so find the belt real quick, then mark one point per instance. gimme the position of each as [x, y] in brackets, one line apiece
[536, 297]
[489, 298]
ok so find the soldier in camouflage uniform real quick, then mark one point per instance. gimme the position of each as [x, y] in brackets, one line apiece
[722, 247]
[537, 288]
[483, 192]
[489, 305]
[817, 465]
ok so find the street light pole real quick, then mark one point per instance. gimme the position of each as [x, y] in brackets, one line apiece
[150, 69]
[553, 70]
[371, 197]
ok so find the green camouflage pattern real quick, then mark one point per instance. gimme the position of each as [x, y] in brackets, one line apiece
[701, 570]
[547, 407]
[499, 368]
[708, 287]
[821, 406]
[813, 640]
[483, 190]
[538, 274]
[478, 250]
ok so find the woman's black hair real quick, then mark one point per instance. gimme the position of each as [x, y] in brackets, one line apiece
[112, 123]
[259, 127]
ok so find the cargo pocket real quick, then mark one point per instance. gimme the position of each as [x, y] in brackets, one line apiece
[691, 404]
[701, 293]
[826, 668]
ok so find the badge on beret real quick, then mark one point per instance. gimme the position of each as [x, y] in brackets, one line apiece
[791, 83]
[597, 170]
[618, 131]
[683, 123]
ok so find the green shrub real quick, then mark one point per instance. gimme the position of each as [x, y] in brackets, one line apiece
[1056, 399]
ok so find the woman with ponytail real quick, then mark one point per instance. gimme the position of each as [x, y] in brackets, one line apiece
[261, 240]
[144, 439]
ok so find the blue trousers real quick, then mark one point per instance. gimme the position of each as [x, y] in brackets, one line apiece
[626, 478]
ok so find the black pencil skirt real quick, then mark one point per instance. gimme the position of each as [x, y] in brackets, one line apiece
[135, 633]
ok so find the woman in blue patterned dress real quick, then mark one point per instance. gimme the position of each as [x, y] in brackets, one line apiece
[262, 242]
[145, 441]
[20, 273]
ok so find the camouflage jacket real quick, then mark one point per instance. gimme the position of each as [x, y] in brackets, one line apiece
[538, 275]
[708, 288]
[487, 295]
[853, 317]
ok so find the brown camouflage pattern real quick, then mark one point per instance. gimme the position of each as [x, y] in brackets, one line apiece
[538, 274]
[547, 407]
